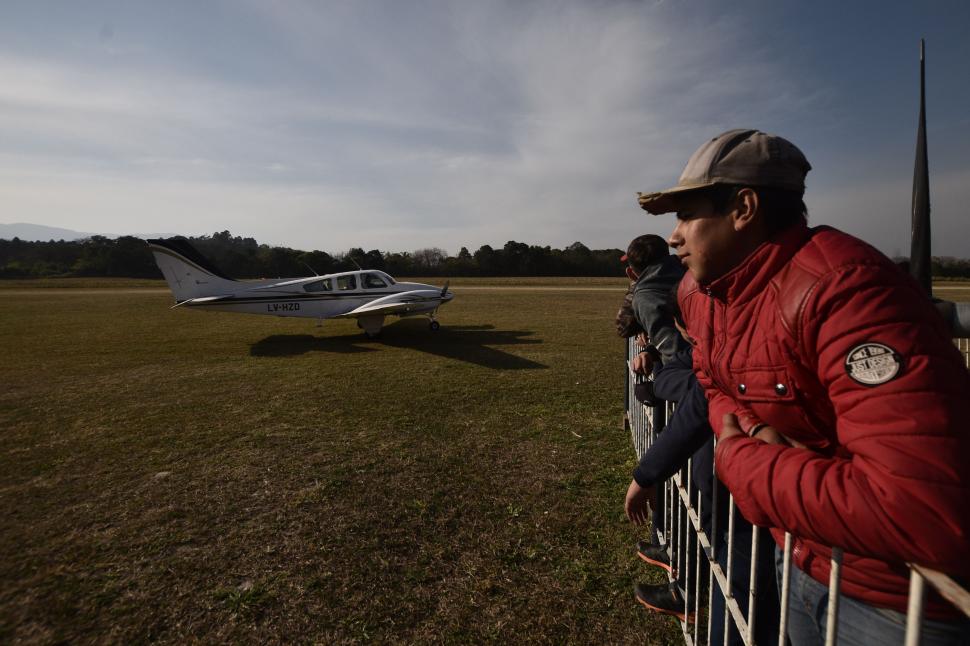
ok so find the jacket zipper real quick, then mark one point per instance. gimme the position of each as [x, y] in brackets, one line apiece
[715, 350]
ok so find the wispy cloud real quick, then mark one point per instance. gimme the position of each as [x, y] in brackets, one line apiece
[386, 125]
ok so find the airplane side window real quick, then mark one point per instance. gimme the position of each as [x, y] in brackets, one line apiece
[373, 281]
[319, 286]
[346, 283]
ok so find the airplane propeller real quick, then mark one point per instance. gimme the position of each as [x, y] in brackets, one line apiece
[444, 290]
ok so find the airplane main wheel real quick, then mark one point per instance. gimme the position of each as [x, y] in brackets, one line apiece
[434, 325]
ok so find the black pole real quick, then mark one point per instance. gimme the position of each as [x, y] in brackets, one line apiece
[920, 256]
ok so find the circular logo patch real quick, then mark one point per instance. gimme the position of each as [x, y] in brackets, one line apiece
[872, 364]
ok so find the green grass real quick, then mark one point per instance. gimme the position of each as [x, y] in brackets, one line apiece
[183, 476]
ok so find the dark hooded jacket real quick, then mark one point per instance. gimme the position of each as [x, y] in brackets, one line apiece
[651, 296]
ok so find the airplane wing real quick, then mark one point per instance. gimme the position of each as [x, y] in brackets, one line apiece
[418, 300]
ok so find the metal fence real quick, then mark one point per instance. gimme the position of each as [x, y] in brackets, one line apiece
[684, 536]
[964, 346]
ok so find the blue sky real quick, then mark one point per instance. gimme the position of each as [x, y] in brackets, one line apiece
[401, 125]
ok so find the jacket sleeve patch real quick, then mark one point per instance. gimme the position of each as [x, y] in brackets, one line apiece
[872, 364]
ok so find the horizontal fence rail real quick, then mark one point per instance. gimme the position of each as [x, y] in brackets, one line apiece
[684, 536]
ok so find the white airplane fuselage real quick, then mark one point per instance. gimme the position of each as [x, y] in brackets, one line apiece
[269, 298]
[367, 294]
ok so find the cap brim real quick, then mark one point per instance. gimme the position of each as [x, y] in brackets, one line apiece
[666, 201]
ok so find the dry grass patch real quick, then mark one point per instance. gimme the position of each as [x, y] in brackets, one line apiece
[173, 476]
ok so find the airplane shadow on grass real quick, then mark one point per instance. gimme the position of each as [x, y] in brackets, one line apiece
[468, 343]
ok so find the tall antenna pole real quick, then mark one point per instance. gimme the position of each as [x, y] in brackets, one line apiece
[920, 256]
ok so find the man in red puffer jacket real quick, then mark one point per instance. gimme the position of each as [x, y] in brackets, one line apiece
[838, 398]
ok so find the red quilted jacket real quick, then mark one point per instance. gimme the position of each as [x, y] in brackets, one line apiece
[820, 336]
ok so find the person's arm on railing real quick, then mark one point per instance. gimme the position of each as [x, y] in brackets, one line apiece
[675, 378]
[898, 485]
[685, 433]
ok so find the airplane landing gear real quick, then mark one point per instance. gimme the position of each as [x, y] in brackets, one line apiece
[434, 325]
[371, 325]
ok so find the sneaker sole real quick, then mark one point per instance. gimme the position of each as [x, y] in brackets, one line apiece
[651, 561]
[666, 611]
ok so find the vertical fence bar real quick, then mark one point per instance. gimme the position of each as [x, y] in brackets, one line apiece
[669, 514]
[713, 556]
[730, 544]
[710, 590]
[785, 585]
[752, 583]
[686, 558]
[697, 579]
[835, 583]
[914, 611]
[626, 388]
[728, 593]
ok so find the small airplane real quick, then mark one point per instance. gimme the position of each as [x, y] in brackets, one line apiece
[367, 295]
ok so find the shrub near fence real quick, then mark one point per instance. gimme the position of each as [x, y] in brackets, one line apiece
[683, 535]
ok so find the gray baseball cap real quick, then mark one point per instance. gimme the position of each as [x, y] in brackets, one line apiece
[745, 157]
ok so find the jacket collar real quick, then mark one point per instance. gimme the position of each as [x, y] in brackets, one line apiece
[752, 276]
[668, 270]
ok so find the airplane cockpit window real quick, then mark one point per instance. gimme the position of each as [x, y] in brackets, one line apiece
[346, 283]
[373, 281]
[319, 286]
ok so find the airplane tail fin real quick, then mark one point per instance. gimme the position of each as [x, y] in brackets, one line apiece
[188, 273]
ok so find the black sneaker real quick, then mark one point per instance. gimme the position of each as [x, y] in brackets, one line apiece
[663, 598]
[654, 554]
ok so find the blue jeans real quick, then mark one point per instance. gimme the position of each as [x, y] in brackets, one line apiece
[859, 623]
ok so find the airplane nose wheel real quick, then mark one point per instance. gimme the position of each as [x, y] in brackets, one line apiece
[434, 325]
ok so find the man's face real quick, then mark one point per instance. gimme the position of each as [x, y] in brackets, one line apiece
[705, 241]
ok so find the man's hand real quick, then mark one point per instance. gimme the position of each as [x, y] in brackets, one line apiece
[643, 339]
[637, 504]
[729, 427]
[642, 364]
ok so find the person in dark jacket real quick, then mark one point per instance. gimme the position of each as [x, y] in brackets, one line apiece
[688, 434]
[653, 272]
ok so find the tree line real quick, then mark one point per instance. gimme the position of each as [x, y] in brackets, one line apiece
[241, 257]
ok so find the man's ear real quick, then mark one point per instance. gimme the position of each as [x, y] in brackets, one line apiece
[632, 275]
[745, 209]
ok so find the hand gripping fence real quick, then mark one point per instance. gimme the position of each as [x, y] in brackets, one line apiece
[683, 535]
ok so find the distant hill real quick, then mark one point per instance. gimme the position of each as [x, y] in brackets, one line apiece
[42, 233]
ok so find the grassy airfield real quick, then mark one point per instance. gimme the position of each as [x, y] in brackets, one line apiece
[178, 476]
[174, 475]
